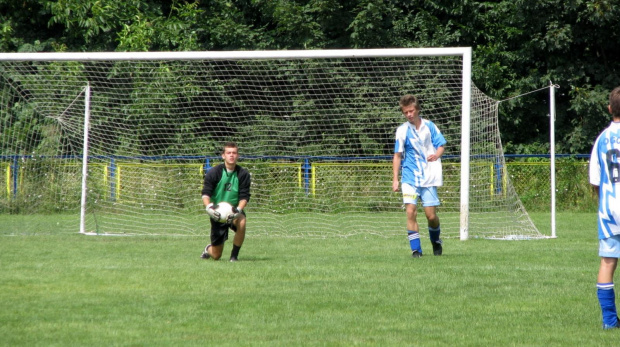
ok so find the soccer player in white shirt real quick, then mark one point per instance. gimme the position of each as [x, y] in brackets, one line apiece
[604, 176]
[418, 147]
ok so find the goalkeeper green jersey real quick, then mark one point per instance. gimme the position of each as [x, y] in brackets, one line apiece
[230, 187]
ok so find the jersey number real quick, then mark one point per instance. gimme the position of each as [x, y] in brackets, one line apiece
[613, 165]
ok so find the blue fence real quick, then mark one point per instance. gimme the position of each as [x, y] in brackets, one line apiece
[13, 168]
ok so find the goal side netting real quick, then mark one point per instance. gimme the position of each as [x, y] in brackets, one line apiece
[316, 130]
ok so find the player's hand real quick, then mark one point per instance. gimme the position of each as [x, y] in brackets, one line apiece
[212, 212]
[234, 215]
[395, 185]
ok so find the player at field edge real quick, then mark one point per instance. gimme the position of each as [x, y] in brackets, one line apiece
[605, 179]
[226, 182]
[418, 147]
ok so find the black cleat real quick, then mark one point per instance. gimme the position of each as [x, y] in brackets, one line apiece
[233, 259]
[416, 254]
[437, 248]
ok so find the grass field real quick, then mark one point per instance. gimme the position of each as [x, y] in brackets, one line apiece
[76, 290]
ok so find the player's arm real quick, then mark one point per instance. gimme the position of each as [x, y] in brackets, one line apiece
[438, 153]
[209, 182]
[396, 170]
[244, 187]
[208, 186]
[594, 169]
[244, 192]
[438, 142]
[242, 204]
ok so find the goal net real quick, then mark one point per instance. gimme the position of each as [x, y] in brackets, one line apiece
[315, 129]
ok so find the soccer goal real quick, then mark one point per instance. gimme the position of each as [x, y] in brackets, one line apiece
[118, 143]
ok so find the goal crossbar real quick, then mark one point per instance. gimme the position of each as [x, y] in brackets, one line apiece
[237, 55]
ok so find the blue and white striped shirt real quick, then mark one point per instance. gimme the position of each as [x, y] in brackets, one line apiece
[605, 173]
[416, 146]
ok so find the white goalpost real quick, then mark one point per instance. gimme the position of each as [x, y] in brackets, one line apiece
[315, 129]
[84, 193]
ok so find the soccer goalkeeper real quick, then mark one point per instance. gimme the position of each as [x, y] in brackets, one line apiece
[605, 177]
[419, 146]
[227, 182]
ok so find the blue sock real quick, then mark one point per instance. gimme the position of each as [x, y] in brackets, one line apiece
[607, 300]
[434, 233]
[414, 240]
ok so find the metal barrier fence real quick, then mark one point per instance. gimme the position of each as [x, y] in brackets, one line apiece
[573, 190]
[129, 181]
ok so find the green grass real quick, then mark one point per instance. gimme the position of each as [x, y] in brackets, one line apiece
[71, 289]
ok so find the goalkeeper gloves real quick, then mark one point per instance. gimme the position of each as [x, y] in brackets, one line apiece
[234, 215]
[212, 212]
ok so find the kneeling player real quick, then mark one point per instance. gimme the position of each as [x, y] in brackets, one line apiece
[227, 182]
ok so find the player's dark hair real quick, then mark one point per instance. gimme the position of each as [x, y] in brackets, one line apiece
[614, 102]
[408, 99]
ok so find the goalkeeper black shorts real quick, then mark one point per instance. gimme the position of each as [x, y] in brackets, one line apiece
[219, 231]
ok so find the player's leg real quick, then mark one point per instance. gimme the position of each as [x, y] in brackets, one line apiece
[434, 230]
[412, 216]
[412, 230]
[607, 269]
[609, 251]
[410, 197]
[239, 228]
[430, 201]
[219, 234]
[431, 216]
[215, 251]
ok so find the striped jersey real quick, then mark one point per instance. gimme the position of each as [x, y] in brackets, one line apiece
[605, 173]
[416, 146]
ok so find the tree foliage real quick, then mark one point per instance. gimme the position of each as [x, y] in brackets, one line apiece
[519, 45]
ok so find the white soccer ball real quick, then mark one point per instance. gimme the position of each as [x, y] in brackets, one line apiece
[225, 209]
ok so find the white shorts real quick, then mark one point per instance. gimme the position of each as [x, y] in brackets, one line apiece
[428, 195]
[609, 247]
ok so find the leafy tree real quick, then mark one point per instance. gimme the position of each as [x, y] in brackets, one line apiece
[523, 45]
[24, 26]
[518, 45]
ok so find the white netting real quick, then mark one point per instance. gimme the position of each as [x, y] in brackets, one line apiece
[316, 134]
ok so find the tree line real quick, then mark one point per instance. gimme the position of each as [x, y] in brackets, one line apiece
[518, 45]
